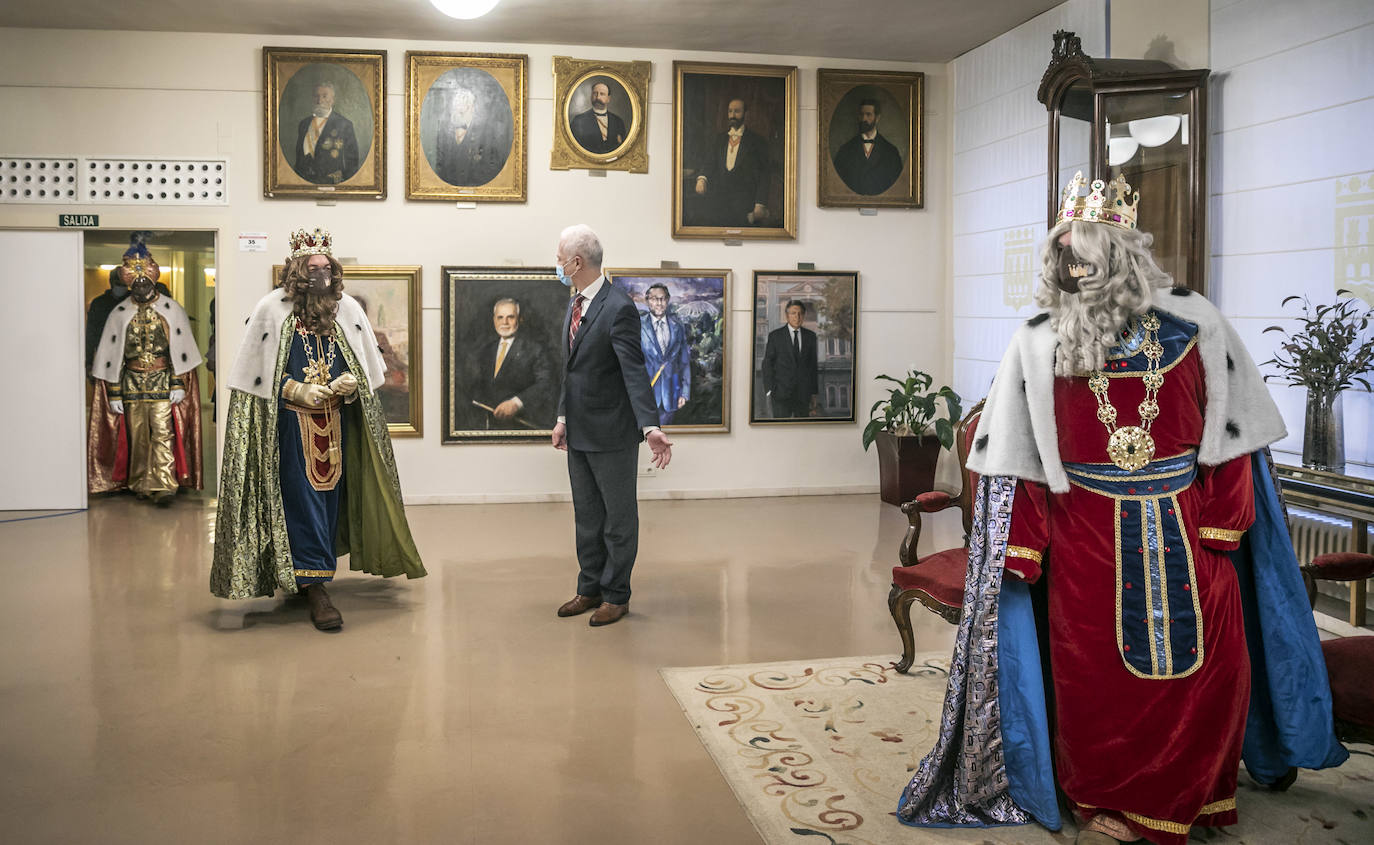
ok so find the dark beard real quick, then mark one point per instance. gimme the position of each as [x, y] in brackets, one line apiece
[315, 307]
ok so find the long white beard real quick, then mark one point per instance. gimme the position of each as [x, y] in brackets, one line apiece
[322, 111]
[1086, 331]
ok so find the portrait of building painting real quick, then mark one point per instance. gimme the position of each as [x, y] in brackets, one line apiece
[465, 126]
[600, 117]
[501, 353]
[324, 123]
[805, 340]
[870, 138]
[684, 321]
[735, 151]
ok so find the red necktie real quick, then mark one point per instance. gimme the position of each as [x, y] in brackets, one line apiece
[576, 319]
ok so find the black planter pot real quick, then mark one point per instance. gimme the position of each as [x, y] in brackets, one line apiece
[906, 465]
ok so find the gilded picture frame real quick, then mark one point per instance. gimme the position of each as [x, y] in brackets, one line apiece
[615, 140]
[687, 359]
[324, 123]
[479, 307]
[889, 170]
[734, 190]
[466, 126]
[390, 296]
[816, 382]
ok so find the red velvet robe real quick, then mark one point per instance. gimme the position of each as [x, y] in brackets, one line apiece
[1162, 753]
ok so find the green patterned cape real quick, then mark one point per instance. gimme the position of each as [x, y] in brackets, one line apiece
[252, 553]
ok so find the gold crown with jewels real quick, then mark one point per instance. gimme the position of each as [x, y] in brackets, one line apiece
[317, 242]
[1119, 210]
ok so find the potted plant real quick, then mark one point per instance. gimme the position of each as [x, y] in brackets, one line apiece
[910, 433]
[1326, 354]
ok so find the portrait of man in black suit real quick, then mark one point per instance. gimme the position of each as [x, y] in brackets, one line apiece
[868, 163]
[599, 130]
[790, 367]
[326, 150]
[474, 129]
[511, 386]
[736, 174]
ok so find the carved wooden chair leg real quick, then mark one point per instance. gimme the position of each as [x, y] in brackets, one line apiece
[899, 604]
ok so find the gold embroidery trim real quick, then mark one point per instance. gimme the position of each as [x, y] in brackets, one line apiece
[1023, 552]
[332, 454]
[1162, 370]
[313, 573]
[1167, 826]
[1161, 504]
[1226, 535]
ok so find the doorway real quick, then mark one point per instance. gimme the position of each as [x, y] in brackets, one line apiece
[186, 259]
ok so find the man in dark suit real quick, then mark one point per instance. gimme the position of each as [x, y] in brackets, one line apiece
[737, 174]
[667, 354]
[326, 150]
[868, 163]
[512, 387]
[790, 372]
[471, 147]
[597, 130]
[605, 408]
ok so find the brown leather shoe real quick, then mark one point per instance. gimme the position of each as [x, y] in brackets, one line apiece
[322, 611]
[608, 613]
[579, 604]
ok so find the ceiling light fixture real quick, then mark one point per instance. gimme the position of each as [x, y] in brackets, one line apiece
[464, 9]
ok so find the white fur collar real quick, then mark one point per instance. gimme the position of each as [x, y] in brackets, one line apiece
[255, 367]
[1017, 434]
[109, 356]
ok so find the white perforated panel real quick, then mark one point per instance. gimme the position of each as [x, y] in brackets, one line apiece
[155, 181]
[50, 180]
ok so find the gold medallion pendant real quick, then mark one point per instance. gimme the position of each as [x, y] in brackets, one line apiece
[1131, 447]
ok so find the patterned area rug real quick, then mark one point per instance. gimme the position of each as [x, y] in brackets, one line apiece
[817, 751]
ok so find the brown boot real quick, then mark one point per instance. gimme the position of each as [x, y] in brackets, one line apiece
[322, 611]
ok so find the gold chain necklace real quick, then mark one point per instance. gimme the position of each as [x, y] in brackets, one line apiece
[317, 366]
[1131, 447]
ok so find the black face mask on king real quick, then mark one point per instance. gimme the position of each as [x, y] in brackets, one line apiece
[1071, 269]
[143, 289]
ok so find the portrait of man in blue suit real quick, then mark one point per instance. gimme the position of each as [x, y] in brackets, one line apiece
[667, 354]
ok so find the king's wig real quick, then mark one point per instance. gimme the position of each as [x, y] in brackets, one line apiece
[314, 308]
[1122, 284]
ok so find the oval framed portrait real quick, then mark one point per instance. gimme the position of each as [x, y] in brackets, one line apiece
[324, 124]
[870, 139]
[600, 115]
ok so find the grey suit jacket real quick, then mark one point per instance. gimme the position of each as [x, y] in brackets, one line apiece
[605, 395]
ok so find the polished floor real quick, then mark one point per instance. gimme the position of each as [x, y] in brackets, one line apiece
[137, 708]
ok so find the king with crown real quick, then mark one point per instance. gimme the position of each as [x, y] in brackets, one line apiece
[1134, 620]
[308, 473]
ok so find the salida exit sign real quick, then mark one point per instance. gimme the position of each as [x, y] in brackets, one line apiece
[78, 221]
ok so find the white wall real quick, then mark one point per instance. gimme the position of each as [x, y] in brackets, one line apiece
[1292, 117]
[998, 180]
[78, 93]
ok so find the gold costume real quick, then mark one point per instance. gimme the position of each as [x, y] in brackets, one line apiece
[145, 387]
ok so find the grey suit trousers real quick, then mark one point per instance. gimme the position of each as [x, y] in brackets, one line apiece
[606, 514]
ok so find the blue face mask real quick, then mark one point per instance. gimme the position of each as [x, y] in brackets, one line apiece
[562, 276]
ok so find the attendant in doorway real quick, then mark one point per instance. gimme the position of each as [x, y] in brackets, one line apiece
[145, 408]
[791, 378]
[605, 408]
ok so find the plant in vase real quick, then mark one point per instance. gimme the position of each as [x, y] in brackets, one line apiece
[910, 432]
[1327, 354]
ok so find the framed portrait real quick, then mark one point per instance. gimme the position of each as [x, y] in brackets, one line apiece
[600, 115]
[502, 354]
[324, 123]
[684, 332]
[390, 296]
[871, 139]
[465, 126]
[805, 342]
[734, 151]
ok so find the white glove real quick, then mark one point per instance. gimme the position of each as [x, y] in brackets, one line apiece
[117, 405]
[177, 395]
[344, 385]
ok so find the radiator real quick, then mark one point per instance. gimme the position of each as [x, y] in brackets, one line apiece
[1319, 534]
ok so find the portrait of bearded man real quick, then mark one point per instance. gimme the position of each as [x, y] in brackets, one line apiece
[1127, 516]
[308, 472]
[144, 428]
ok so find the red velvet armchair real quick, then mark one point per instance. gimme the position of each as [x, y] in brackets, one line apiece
[936, 580]
[1349, 660]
